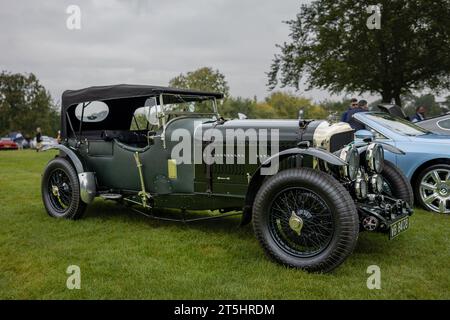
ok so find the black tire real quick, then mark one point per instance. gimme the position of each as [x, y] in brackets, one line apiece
[440, 190]
[65, 202]
[397, 183]
[337, 205]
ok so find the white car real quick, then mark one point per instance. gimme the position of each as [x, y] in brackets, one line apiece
[46, 141]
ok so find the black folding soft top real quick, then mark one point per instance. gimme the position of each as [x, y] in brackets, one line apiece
[122, 100]
[103, 93]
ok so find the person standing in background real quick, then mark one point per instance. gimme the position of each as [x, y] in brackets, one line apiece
[19, 140]
[38, 139]
[355, 124]
[58, 137]
[353, 104]
[420, 114]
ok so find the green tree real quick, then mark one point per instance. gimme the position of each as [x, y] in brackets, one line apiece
[287, 106]
[232, 106]
[337, 107]
[332, 48]
[427, 100]
[263, 110]
[25, 104]
[315, 112]
[203, 79]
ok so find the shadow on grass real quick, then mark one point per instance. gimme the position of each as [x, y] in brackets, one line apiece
[111, 211]
[368, 243]
[377, 243]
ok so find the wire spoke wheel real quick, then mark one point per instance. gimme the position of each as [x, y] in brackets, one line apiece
[306, 219]
[434, 190]
[301, 222]
[59, 190]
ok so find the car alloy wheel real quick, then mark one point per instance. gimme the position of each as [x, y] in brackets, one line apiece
[435, 190]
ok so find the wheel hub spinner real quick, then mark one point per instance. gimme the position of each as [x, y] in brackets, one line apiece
[296, 223]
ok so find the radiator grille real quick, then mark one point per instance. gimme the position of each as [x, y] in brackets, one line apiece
[339, 140]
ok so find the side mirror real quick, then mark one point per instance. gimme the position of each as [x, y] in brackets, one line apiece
[365, 135]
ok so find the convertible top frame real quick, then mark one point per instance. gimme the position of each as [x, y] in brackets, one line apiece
[122, 100]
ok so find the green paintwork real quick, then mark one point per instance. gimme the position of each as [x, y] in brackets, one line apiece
[115, 167]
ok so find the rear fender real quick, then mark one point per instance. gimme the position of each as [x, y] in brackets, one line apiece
[86, 179]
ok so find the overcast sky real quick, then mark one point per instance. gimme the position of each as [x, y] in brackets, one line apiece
[145, 41]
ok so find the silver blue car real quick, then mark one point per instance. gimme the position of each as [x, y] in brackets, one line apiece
[438, 125]
[426, 158]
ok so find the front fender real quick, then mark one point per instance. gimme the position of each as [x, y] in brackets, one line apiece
[315, 152]
[88, 188]
[257, 178]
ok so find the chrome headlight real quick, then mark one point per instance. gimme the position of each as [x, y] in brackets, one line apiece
[375, 157]
[376, 183]
[361, 187]
[350, 155]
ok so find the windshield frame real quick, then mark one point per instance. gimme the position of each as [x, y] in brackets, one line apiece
[165, 109]
[163, 122]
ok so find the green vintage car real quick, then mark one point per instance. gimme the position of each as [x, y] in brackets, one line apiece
[308, 188]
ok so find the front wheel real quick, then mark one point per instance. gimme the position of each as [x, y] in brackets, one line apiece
[433, 188]
[305, 219]
[61, 190]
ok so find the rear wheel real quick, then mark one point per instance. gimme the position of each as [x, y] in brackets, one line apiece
[61, 190]
[305, 219]
[433, 188]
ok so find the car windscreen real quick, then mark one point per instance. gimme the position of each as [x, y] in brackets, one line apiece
[189, 104]
[397, 124]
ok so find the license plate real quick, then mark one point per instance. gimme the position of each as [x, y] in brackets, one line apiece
[398, 227]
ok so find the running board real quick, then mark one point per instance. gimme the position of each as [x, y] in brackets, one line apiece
[111, 196]
[184, 220]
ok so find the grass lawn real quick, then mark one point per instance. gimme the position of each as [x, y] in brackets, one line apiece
[124, 255]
